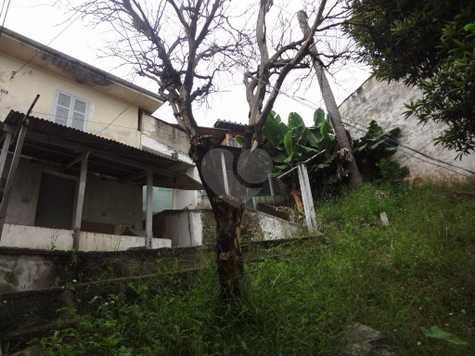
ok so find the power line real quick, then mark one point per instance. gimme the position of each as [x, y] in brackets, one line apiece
[53, 116]
[113, 120]
[4, 16]
[432, 160]
[54, 38]
[1, 9]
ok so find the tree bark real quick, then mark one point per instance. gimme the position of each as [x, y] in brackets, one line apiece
[228, 250]
[330, 103]
[228, 218]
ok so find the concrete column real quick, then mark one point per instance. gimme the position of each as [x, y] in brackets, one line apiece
[148, 211]
[78, 210]
[307, 198]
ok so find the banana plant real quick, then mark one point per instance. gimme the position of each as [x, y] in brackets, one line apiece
[292, 143]
[295, 142]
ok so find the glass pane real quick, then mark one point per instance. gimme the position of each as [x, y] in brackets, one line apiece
[80, 106]
[78, 121]
[64, 100]
[61, 116]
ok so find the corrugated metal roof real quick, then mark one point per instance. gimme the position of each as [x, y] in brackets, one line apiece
[230, 125]
[52, 142]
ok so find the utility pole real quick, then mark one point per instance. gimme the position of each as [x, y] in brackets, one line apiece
[330, 103]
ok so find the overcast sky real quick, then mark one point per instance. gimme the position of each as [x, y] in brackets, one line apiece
[43, 22]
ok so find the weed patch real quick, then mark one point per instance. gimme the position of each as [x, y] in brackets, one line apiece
[402, 279]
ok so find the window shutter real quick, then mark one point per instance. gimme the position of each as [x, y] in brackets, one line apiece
[62, 109]
[79, 114]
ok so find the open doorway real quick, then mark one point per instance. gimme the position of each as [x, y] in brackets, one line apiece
[56, 202]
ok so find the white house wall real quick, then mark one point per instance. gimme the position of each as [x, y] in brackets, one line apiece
[164, 139]
[108, 116]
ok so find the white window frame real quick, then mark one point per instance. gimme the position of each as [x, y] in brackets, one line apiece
[71, 108]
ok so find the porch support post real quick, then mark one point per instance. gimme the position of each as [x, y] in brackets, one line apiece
[77, 219]
[148, 211]
[307, 197]
[25, 122]
[4, 154]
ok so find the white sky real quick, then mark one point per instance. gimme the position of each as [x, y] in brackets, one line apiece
[44, 23]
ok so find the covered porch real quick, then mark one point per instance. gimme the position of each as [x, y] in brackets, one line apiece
[74, 190]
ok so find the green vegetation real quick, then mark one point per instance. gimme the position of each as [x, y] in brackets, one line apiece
[413, 280]
[291, 144]
[430, 44]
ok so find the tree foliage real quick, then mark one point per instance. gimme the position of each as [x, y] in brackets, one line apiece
[449, 95]
[429, 44]
[295, 143]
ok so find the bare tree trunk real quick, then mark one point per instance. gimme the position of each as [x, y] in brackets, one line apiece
[330, 103]
[228, 217]
[228, 250]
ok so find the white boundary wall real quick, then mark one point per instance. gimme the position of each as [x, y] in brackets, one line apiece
[34, 237]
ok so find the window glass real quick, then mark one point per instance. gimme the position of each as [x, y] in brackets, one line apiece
[78, 121]
[62, 115]
[64, 100]
[71, 111]
[80, 106]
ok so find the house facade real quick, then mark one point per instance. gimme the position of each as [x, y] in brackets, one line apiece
[94, 159]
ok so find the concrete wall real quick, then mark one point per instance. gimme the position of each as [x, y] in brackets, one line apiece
[19, 92]
[166, 134]
[197, 227]
[41, 238]
[20, 272]
[162, 138]
[183, 227]
[108, 204]
[26, 269]
[384, 103]
[24, 195]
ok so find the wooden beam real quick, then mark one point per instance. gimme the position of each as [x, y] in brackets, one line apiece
[81, 190]
[148, 211]
[4, 154]
[306, 191]
[74, 161]
[14, 164]
[60, 174]
[55, 141]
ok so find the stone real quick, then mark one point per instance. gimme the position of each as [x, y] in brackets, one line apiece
[361, 340]
[384, 218]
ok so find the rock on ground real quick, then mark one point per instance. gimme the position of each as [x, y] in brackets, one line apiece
[361, 340]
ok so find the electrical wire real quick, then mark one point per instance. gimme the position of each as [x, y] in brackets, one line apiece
[429, 159]
[113, 120]
[74, 19]
[1, 9]
[54, 38]
[4, 16]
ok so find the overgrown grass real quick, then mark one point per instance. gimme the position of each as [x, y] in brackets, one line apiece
[417, 272]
